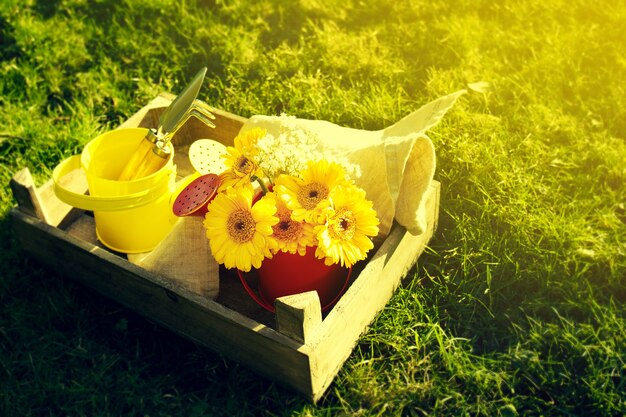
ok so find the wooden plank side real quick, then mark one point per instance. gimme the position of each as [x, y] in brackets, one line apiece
[227, 126]
[42, 202]
[27, 196]
[370, 292]
[209, 324]
[299, 315]
[148, 115]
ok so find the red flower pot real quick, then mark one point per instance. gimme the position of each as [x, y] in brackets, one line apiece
[288, 274]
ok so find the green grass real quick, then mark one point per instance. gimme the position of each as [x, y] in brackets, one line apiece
[517, 308]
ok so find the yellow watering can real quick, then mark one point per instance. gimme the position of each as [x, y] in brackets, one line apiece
[131, 216]
[131, 177]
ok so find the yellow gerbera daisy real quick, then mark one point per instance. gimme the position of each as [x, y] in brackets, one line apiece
[239, 233]
[291, 236]
[345, 237]
[307, 196]
[241, 169]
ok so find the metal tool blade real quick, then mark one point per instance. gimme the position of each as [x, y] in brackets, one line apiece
[176, 112]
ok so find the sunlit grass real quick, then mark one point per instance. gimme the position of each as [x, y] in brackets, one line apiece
[515, 309]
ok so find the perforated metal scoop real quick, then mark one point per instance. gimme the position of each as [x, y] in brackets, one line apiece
[195, 197]
[205, 156]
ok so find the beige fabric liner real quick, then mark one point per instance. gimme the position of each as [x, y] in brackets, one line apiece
[397, 163]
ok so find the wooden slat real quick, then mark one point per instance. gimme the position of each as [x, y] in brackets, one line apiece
[227, 127]
[370, 292]
[42, 202]
[299, 316]
[148, 115]
[26, 195]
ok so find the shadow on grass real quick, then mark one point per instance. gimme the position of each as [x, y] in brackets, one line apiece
[47, 8]
[9, 49]
[492, 289]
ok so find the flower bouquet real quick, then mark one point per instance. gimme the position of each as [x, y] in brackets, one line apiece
[292, 212]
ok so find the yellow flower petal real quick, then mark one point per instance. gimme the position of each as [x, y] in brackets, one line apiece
[345, 238]
[308, 196]
[239, 233]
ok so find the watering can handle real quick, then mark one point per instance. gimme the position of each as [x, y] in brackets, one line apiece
[96, 203]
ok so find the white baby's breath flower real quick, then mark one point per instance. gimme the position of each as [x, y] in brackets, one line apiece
[289, 151]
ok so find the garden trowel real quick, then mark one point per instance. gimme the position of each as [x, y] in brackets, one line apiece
[153, 152]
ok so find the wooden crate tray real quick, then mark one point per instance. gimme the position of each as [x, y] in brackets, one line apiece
[296, 346]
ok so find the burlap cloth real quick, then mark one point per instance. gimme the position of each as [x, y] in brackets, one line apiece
[184, 257]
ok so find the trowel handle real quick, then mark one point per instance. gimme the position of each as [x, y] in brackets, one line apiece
[147, 159]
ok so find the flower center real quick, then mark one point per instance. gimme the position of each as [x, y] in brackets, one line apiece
[241, 226]
[311, 194]
[344, 226]
[287, 230]
[243, 166]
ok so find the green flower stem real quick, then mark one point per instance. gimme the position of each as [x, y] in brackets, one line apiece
[264, 189]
